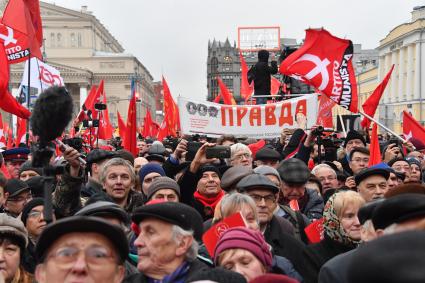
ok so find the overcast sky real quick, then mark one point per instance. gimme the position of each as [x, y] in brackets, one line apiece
[170, 37]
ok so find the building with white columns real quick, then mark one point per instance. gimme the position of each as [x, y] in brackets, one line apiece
[85, 52]
[404, 46]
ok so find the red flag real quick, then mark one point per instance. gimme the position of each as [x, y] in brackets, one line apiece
[15, 43]
[225, 93]
[21, 131]
[412, 128]
[9, 138]
[274, 86]
[24, 16]
[2, 131]
[148, 125]
[246, 88]
[171, 111]
[370, 105]
[155, 129]
[324, 115]
[87, 105]
[210, 237]
[130, 137]
[325, 62]
[217, 98]
[162, 131]
[105, 127]
[121, 125]
[7, 102]
[314, 231]
[375, 151]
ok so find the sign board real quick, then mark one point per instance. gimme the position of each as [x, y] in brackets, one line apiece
[351, 122]
[253, 121]
[252, 39]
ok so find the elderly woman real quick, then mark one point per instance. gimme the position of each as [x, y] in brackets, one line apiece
[246, 252]
[13, 240]
[240, 154]
[341, 227]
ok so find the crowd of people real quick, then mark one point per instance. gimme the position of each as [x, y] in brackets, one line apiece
[121, 218]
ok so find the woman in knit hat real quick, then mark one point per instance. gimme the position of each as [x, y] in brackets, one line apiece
[245, 251]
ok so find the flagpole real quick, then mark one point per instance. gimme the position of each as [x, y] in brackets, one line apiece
[28, 97]
[342, 122]
[382, 126]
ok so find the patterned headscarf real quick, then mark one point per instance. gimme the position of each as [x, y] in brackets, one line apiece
[332, 226]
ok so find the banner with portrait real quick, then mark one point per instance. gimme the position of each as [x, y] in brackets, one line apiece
[253, 121]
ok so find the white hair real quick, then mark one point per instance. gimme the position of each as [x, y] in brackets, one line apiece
[178, 233]
[321, 166]
[236, 148]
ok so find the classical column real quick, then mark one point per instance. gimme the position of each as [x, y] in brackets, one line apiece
[83, 94]
[409, 73]
[401, 91]
[394, 90]
[417, 68]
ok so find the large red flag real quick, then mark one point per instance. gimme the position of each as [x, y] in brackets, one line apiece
[412, 128]
[2, 133]
[24, 16]
[121, 125]
[171, 111]
[105, 128]
[21, 131]
[148, 125]
[15, 43]
[130, 137]
[375, 151]
[7, 102]
[325, 62]
[162, 131]
[370, 105]
[324, 114]
[225, 93]
[246, 88]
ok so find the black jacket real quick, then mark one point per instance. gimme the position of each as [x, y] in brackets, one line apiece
[195, 267]
[313, 209]
[335, 269]
[261, 73]
[290, 248]
[325, 250]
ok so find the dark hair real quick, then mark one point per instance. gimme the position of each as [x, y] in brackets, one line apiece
[314, 179]
[224, 138]
[359, 149]
[14, 240]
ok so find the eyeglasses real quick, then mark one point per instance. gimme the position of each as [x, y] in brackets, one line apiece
[242, 156]
[35, 214]
[268, 199]
[96, 256]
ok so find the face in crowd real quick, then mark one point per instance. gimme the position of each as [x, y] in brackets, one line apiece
[242, 261]
[352, 144]
[266, 203]
[292, 191]
[13, 167]
[327, 178]
[16, 204]
[10, 257]
[403, 167]
[358, 161]
[70, 259]
[209, 184]
[118, 181]
[242, 157]
[373, 187]
[147, 181]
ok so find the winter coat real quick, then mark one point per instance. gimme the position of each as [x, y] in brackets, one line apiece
[313, 207]
[325, 250]
[287, 246]
[261, 73]
[335, 269]
[195, 267]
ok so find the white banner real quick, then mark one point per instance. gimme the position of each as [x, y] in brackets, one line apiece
[43, 76]
[254, 121]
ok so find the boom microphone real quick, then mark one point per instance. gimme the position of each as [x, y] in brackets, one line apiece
[51, 114]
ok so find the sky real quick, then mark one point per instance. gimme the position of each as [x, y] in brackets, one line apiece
[170, 37]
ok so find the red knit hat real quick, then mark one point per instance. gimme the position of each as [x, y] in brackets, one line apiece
[273, 278]
[247, 239]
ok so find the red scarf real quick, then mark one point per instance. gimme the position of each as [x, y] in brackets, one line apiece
[209, 202]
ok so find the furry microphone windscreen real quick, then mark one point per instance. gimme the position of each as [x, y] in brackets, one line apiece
[51, 114]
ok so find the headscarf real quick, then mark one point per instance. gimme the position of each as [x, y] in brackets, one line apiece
[332, 225]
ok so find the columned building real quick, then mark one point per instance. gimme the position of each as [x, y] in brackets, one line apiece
[404, 47]
[85, 52]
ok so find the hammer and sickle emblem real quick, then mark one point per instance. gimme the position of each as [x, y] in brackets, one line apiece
[9, 37]
[221, 228]
[319, 69]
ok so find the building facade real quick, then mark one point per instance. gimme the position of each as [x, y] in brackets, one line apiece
[404, 47]
[85, 52]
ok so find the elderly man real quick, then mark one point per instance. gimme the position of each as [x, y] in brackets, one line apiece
[118, 179]
[372, 183]
[201, 183]
[14, 158]
[81, 249]
[17, 194]
[401, 165]
[295, 174]
[267, 156]
[240, 154]
[164, 188]
[278, 232]
[327, 177]
[167, 243]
